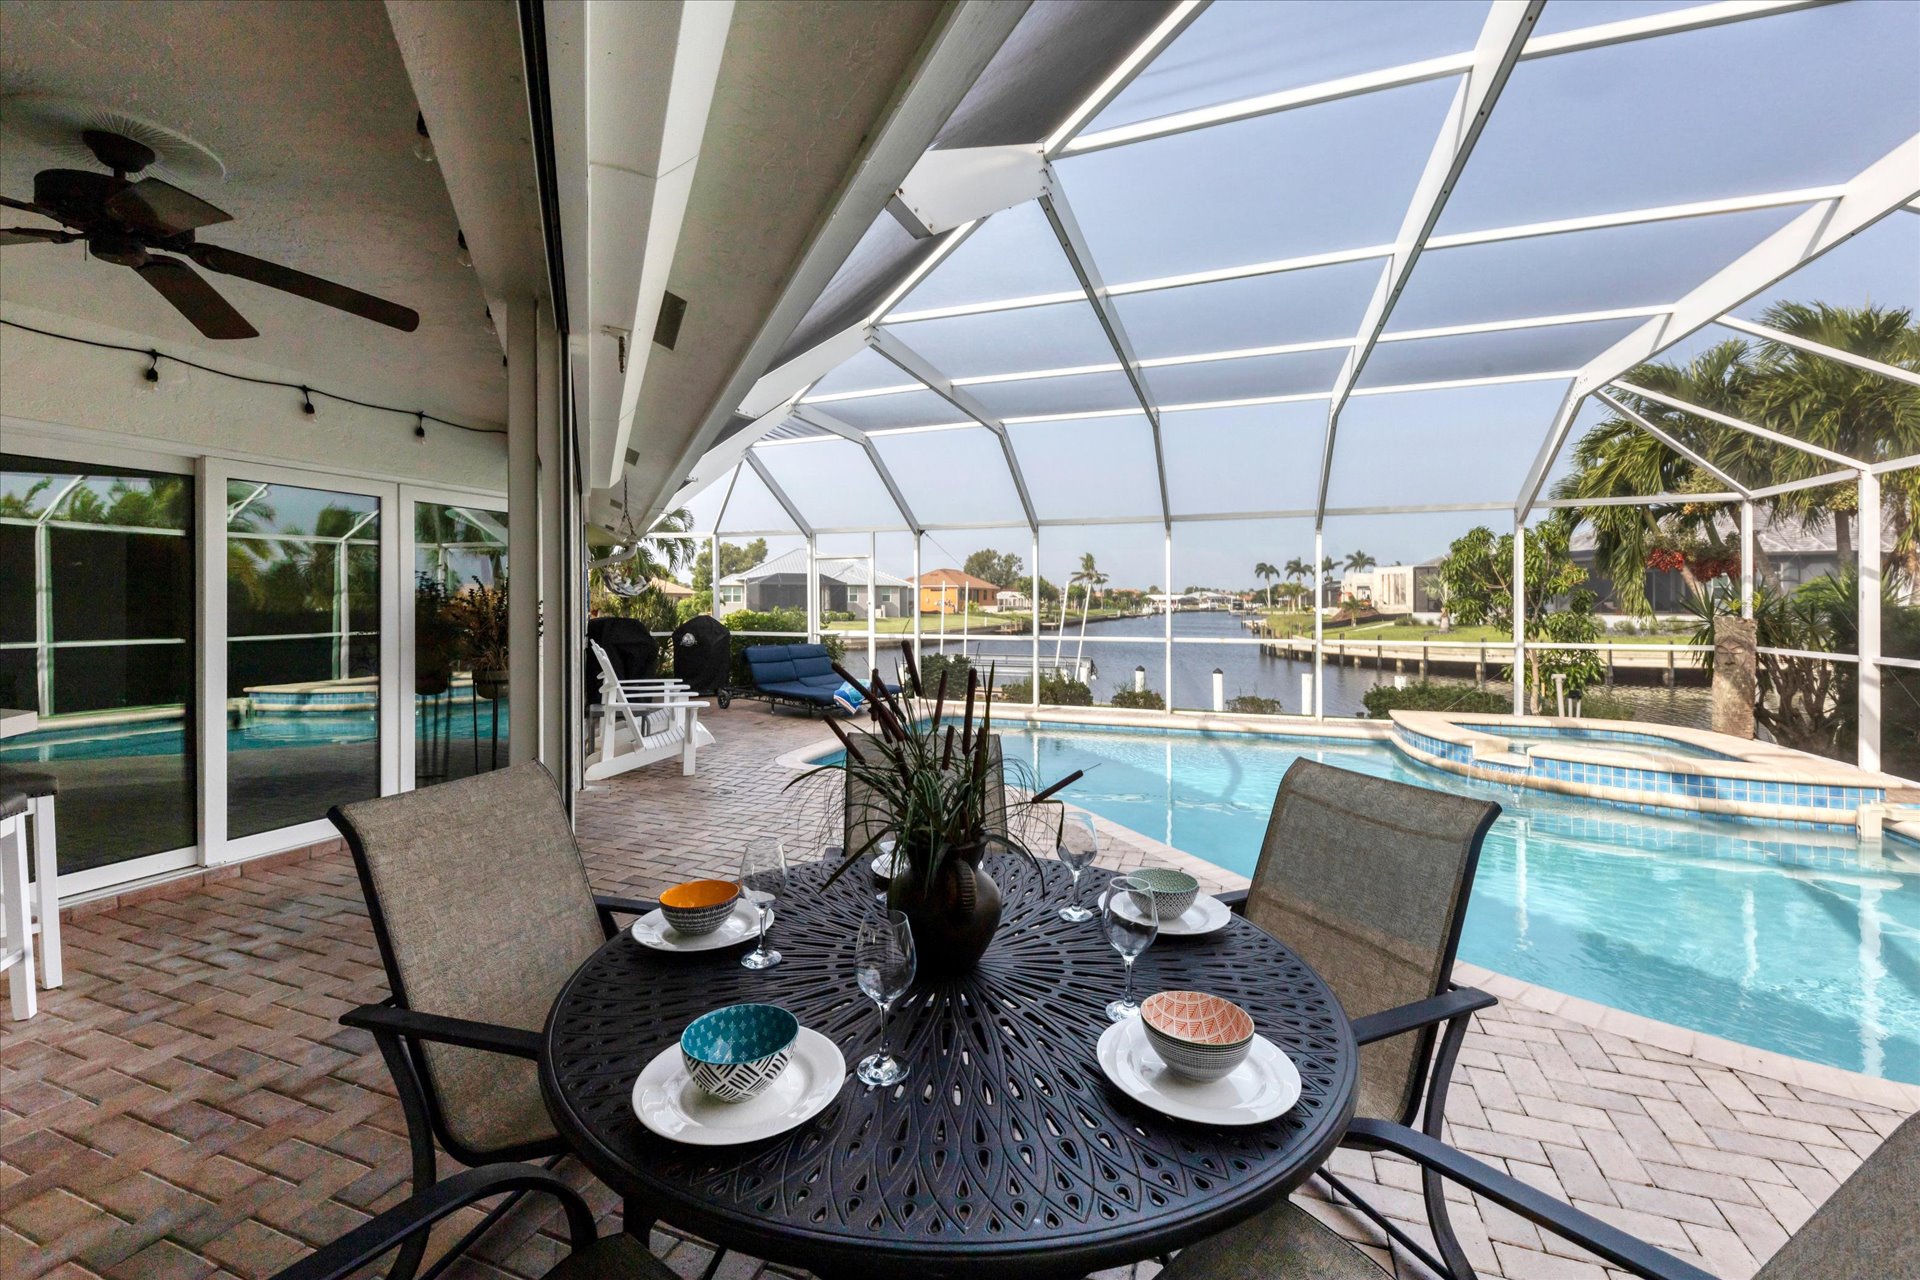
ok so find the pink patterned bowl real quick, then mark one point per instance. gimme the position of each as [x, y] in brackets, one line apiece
[1198, 1035]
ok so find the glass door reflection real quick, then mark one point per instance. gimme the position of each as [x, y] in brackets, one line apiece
[460, 641]
[303, 653]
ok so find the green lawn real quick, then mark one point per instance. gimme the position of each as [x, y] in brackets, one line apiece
[974, 623]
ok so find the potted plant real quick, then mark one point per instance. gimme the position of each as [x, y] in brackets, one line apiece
[931, 787]
[480, 612]
[436, 636]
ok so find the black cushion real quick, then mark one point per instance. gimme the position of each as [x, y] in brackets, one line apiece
[13, 803]
[28, 781]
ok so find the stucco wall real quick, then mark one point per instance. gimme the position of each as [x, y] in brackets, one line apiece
[64, 384]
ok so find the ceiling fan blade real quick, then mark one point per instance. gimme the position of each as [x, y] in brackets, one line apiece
[162, 208]
[28, 206]
[34, 235]
[195, 299]
[275, 276]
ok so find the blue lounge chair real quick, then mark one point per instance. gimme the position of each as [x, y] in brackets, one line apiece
[801, 675]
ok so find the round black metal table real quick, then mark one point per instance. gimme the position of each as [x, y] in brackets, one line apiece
[1005, 1151]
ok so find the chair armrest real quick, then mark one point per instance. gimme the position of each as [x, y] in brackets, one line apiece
[464, 1032]
[1590, 1233]
[1421, 1013]
[624, 906]
[417, 1213]
[1235, 899]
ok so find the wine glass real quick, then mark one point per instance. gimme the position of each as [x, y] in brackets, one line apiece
[763, 877]
[1077, 844]
[883, 965]
[1131, 924]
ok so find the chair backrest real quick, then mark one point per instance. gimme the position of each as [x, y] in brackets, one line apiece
[482, 910]
[611, 695]
[865, 817]
[1367, 880]
[770, 664]
[1869, 1229]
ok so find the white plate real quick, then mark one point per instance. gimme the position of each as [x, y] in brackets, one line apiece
[1266, 1085]
[882, 863]
[1207, 915]
[652, 930]
[669, 1103]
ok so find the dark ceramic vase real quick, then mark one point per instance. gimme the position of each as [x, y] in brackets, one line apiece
[954, 922]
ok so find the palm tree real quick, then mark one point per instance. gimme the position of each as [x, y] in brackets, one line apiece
[1358, 562]
[1089, 577]
[1266, 573]
[1299, 570]
[1862, 414]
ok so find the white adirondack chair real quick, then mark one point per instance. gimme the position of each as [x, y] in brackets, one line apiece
[643, 722]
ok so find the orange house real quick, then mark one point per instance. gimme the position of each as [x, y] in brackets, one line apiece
[951, 591]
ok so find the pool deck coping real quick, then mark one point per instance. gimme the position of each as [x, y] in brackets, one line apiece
[1671, 1037]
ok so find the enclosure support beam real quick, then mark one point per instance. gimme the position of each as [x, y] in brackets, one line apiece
[1878, 190]
[1519, 618]
[1166, 664]
[1746, 558]
[1319, 708]
[1508, 25]
[1053, 203]
[873, 602]
[1727, 420]
[1867, 540]
[913, 596]
[846, 431]
[779, 495]
[915, 366]
[1033, 692]
[813, 589]
[1820, 349]
[1675, 445]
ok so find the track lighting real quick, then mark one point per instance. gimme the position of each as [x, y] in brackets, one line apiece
[463, 257]
[422, 145]
[306, 402]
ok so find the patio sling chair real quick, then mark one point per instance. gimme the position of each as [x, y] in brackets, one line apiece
[619, 1257]
[1367, 879]
[481, 910]
[1866, 1230]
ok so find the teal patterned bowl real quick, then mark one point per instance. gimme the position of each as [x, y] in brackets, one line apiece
[736, 1051]
[1172, 892]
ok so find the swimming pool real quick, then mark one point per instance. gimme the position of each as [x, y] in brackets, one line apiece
[1600, 738]
[261, 732]
[1781, 938]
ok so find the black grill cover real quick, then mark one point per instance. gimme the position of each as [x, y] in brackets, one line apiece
[702, 653]
[631, 648]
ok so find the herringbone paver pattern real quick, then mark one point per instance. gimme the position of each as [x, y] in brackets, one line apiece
[187, 1106]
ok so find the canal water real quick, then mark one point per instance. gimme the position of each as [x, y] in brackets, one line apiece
[1117, 646]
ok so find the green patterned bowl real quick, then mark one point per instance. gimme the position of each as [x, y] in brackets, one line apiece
[1172, 891]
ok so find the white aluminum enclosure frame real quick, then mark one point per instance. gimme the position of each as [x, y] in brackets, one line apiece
[1827, 216]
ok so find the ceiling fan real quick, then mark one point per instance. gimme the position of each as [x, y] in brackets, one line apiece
[136, 223]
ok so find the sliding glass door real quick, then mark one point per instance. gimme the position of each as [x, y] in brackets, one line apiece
[97, 639]
[303, 652]
[459, 640]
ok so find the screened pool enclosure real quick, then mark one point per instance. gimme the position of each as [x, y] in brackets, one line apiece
[1312, 291]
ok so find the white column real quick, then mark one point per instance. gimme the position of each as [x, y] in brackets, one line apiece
[523, 532]
[713, 574]
[210, 548]
[1519, 618]
[1867, 538]
[556, 593]
[1319, 625]
[1166, 690]
[873, 608]
[813, 589]
[395, 705]
[1034, 629]
[1746, 559]
[913, 598]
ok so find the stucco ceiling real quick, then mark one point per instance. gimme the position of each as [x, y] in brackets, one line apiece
[310, 109]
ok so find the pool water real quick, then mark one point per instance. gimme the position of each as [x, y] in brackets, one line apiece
[1602, 738]
[1776, 937]
[167, 738]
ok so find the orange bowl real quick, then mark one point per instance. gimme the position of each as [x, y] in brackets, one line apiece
[699, 906]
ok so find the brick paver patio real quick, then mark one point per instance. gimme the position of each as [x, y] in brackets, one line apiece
[188, 1106]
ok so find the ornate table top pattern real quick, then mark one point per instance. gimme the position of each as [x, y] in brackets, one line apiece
[1005, 1149]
